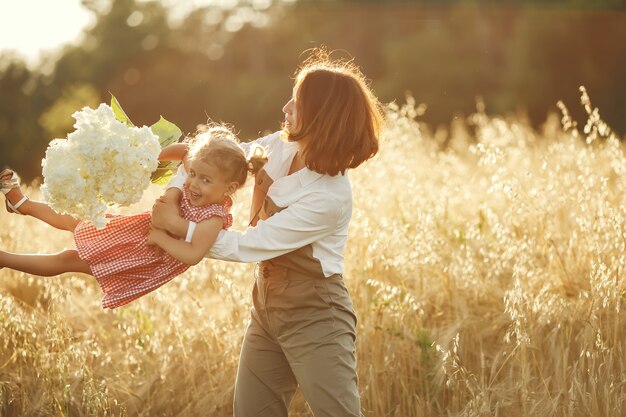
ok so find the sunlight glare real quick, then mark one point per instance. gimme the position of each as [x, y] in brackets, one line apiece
[30, 27]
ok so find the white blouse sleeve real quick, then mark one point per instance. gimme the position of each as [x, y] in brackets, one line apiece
[178, 180]
[265, 141]
[312, 218]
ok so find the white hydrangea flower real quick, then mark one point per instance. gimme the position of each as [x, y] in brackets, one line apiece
[102, 163]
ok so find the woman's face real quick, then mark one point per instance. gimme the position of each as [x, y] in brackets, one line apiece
[291, 114]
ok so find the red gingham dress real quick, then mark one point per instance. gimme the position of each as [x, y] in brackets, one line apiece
[121, 260]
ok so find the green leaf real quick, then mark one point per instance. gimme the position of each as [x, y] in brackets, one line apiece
[119, 112]
[167, 132]
[164, 172]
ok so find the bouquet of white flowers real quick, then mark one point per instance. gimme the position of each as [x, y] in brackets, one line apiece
[106, 161]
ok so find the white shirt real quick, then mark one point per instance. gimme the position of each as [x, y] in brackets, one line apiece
[317, 211]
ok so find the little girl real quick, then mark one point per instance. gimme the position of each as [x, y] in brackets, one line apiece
[128, 258]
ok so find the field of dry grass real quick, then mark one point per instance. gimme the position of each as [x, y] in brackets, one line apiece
[486, 265]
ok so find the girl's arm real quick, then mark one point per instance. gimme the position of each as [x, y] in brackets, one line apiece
[189, 253]
[174, 152]
[172, 196]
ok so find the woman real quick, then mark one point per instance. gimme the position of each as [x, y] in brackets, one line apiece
[302, 328]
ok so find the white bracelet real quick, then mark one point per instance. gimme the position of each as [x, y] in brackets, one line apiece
[190, 229]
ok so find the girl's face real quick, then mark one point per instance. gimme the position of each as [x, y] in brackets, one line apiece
[207, 185]
[291, 114]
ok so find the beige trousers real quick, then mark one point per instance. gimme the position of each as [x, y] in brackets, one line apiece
[301, 333]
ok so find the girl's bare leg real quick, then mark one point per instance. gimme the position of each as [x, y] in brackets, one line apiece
[45, 265]
[42, 211]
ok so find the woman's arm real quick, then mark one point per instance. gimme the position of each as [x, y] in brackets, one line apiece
[308, 220]
[312, 218]
[193, 252]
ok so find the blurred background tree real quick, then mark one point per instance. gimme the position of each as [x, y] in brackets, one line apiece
[233, 62]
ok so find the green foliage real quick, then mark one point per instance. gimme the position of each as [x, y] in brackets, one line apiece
[164, 172]
[168, 134]
[56, 120]
[22, 101]
[120, 114]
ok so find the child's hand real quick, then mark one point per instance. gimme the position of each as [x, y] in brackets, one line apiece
[162, 212]
[154, 235]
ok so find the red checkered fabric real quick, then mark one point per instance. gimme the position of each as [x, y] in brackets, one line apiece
[121, 260]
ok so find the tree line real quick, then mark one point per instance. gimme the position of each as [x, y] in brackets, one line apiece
[236, 65]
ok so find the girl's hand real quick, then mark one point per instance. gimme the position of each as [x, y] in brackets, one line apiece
[167, 217]
[154, 235]
[162, 212]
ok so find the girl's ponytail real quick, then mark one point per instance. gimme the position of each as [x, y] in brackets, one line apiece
[256, 159]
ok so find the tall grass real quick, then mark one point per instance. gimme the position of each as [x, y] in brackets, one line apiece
[486, 265]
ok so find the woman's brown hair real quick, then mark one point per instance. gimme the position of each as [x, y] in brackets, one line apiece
[337, 114]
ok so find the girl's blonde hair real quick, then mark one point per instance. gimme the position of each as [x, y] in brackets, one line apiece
[216, 144]
[337, 114]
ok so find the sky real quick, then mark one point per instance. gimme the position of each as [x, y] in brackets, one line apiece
[29, 27]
